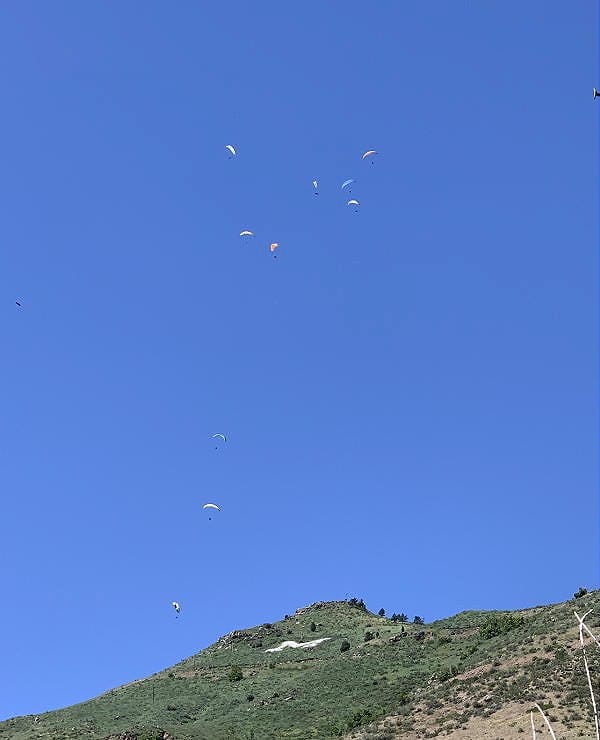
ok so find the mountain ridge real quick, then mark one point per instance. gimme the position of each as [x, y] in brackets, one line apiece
[335, 669]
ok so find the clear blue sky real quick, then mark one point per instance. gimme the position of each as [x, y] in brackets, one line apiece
[409, 391]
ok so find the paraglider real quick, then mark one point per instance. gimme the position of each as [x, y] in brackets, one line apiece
[346, 183]
[211, 506]
[232, 150]
[219, 436]
[246, 233]
[18, 304]
[596, 93]
[273, 247]
[316, 186]
[176, 606]
[369, 153]
[353, 203]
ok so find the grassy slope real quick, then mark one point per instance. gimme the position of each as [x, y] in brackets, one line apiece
[322, 693]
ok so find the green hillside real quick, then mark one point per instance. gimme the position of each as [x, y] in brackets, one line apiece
[369, 677]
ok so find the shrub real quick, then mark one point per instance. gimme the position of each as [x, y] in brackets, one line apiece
[313, 627]
[444, 674]
[344, 646]
[499, 624]
[155, 734]
[418, 620]
[250, 697]
[359, 718]
[578, 594]
[381, 612]
[235, 673]
[403, 697]
[561, 655]
[369, 636]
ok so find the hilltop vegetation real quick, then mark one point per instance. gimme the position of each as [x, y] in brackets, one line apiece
[374, 677]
